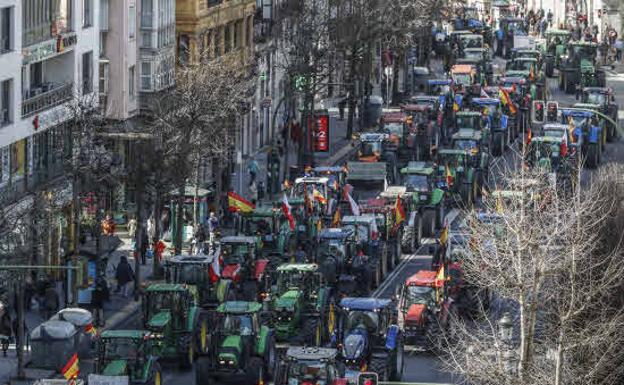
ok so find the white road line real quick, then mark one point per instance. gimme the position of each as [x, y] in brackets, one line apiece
[397, 270]
[621, 115]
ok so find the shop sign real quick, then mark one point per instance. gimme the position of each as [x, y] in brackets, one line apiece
[320, 127]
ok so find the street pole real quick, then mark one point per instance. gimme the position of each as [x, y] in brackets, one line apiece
[20, 329]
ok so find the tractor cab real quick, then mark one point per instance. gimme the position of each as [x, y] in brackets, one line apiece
[512, 32]
[468, 41]
[53, 343]
[495, 123]
[522, 63]
[425, 129]
[555, 48]
[334, 251]
[368, 260]
[468, 119]
[373, 147]
[397, 126]
[418, 177]
[300, 305]
[243, 268]
[336, 176]
[132, 353]
[468, 20]
[310, 365]
[457, 175]
[270, 228]
[604, 98]
[369, 338]
[368, 179]
[442, 88]
[579, 69]
[319, 183]
[473, 143]
[194, 272]
[464, 76]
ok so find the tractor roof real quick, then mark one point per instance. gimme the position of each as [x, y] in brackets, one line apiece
[239, 307]
[525, 58]
[312, 179]
[190, 259]
[238, 239]
[485, 101]
[311, 353]
[468, 113]
[547, 139]
[131, 334]
[462, 69]
[579, 43]
[425, 98]
[475, 49]
[517, 73]
[166, 287]
[576, 113]
[53, 329]
[472, 35]
[76, 316]
[393, 192]
[394, 117]
[417, 107]
[439, 82]
[461, 32]
[328, 169]
[415, 167]
[260, 212]
[467, 133]
[307, 267]
[468, 60]
[373, 137]
[424, 278]
[452, 151]
[555, 126]
[555, 31]
[335, 233]
[602, 90]
[589, 106]
[366, 170]
[366, 304]
[360, 219]
[512, 79]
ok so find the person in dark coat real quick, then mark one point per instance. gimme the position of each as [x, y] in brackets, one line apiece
[51, 300]
[124, 275]
[144, 244]
[100, 295]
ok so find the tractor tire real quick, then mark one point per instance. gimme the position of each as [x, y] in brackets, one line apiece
[408, 240]
[202, 336]
[570, 86]
[440, 215]
[155, 377]
[186, 351]
[561, 80]
[432, 333]
[253, 371]
[311, 332]
[379, 364]
[203, 371]
[429, 223]
[270, 359]
[593, 156]
[398, 362]
[498, 143]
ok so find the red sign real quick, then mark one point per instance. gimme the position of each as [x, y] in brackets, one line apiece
[321, 132]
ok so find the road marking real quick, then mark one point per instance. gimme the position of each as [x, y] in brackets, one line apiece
[621, 115]
[399, 268]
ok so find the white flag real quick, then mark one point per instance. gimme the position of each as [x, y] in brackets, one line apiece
[355, 209]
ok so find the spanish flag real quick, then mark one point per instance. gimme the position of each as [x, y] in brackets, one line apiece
[90, 329]
[449, 176]
[505, 99]
[238, 203]
[71, 369]
[317, 196]
[336, 219]
[441, 277]
[529, 135]
[532, 73]
[399, 212]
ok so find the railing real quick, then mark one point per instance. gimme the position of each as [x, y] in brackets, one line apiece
[45, 100]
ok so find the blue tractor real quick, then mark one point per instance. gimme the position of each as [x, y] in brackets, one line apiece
[497, 122]
[586, 133]
[369, 338]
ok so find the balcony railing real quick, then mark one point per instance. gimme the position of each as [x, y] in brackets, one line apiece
[43, 98]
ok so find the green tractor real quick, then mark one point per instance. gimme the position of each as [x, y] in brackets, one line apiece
[556, 42]
[424, 204]
[471, 141]
[170, 311]
[604, 98]
[302, 305]
[579, 68]
[131, 353]
[458, 175]
[242, 347]
[271, 229]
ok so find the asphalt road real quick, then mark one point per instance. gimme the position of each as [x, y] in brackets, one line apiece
[420, 366]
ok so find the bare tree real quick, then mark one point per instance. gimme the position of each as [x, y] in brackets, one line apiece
[553, 262]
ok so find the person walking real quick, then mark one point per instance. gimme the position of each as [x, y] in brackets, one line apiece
[132, 227]
[51, 300]
[124, 275]
[253, 168]
[213, 226]
[100, 295]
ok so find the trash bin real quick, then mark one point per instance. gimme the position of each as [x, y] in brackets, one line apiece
[372, 112]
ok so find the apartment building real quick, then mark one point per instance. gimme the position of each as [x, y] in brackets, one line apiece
[48, 58]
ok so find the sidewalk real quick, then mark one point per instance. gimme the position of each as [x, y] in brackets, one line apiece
[117, 311]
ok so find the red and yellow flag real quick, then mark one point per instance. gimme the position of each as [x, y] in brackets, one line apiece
[90, 329]
[532, 73]
[238, 203]
[399, 212]
[505, 99]
[444, 235]
[449, 176]
[336, 219]
[71, 369]
[529, 135]
[317, 196]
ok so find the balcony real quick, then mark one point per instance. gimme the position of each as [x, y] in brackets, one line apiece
[46, 96]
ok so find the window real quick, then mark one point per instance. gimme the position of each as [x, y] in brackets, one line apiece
[103, 81]
[131, 82]
[183, 49]
[146, 39]
[5, 101]
[132, 21]
[146, 76]
[87, 13]
[36, 75]
[6, 33]
[87, 72]
[147, 11]
[103, 15]
[228, 38]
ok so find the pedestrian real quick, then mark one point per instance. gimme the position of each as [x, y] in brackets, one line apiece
[5, 320]
[300, 255]
[253, 191]
[51, 300]
[252, 168]
[199, 238]
[108, 226]
[132, 227]
[213, 226]
[124, 275]
[144, 245]
[151, 229]
[100, 295]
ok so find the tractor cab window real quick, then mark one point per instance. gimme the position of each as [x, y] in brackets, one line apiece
[416, 182]
[595, 98]
[368, 320]
[234, 253]
[395, 128]
[515, 26]
[190, 274]
[523, 65]
[360, 231]
[370, 148]
[467, 122]
[419, 117]
[553, 133]
[160, 301]
[260, 226]
[121, 349]
[473, 55]
[310, 187]
[313, 372]
[462, 78]
[240, 325]
[419, 295]
[465, 144]
[288, 280]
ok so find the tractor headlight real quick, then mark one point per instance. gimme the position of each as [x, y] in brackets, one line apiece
[221, 362]
[231, 363]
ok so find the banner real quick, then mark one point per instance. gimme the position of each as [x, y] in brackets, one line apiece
[320, 129]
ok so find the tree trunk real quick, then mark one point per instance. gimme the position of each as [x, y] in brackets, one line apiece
[74, 259]
[523, 336]
[352, 96]
[157, 230]
[559, 358]
[196, 193]
[179, 218]
[20, 329]
[138, 239]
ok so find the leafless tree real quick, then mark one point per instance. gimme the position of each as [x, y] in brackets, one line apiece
[552, 260]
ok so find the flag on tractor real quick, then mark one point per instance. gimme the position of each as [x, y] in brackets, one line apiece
[238, 203]
[532, 73]
[441, 276]
[336, 219]
[506, 100]
[90, 329]
[399, 212]
[571, 128]
[355, 209]
[288, 212]
[484, 94]
[374, 230]
[449, 176]
[444, 235]
[307, 202]
[214, 271]
[529, 135]
[317, 196]
[71, 368]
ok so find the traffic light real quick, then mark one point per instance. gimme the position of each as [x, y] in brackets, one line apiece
[538, 106]
[367, 378]
[552, 108]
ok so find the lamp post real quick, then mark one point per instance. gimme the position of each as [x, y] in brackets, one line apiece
[505, 330]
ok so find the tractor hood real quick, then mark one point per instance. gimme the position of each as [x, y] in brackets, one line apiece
[230, 349]
[287, 300]
[116, 368]
[415, 312]
[355, 344]
[587, 66]
[160, 320]
[231, 271]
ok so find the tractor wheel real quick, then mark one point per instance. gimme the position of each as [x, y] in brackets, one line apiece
[569, 85]
[270, 359]
[440, 215]
[611, 131]
[408, 240]
[203, 371]
[203, 336]
[253, 370]
[432, 333]
[397, 367]
[380, 365]
[561, 80]
[155, 377]
[593, 156]
[429, 223]
[186, 351]
[498, 143]
[311, 331]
